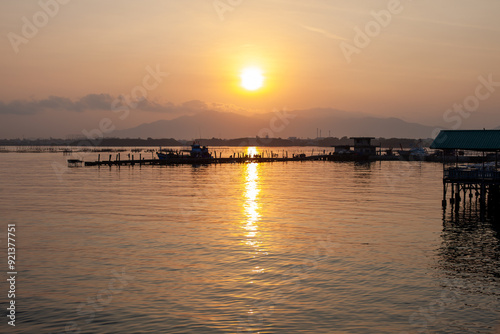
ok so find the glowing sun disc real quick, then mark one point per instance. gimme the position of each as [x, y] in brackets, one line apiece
[252, 78]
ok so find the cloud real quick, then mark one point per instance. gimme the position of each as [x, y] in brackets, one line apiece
[195, 105]
[52, 102]
[227, 107]
[191, 107]
[94, 102]
[323, 32]
[30, 107]
[88, 102]
[107, 102]
[18, 108]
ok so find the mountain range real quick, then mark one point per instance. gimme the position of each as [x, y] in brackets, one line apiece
[280, 124]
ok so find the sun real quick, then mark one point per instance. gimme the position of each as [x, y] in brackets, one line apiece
[252, 78]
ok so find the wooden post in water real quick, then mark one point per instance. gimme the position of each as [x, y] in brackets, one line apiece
[482, 196]
[496, 160]
[444, 194]
[452, 199]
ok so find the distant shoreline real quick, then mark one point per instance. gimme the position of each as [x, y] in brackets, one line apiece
[395, 143]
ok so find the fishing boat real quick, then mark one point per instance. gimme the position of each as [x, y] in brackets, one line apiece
[196, 152]
[165, 154]
[415, 153]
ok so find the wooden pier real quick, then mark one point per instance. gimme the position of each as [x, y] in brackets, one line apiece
[480, 186]
[186, 160]
[183, 159]
[469, 184]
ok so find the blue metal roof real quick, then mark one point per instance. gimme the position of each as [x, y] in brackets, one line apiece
[474, 140]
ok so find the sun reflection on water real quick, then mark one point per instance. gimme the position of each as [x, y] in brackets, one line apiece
[251, 204]
[253, 239]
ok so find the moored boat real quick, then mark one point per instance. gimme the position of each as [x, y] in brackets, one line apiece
[197, 152]
[416, 153]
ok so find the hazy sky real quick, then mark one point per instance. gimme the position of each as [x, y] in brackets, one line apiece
[65, 63]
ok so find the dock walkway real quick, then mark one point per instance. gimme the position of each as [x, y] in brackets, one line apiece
[201, 161]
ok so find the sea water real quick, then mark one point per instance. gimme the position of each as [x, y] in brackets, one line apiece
[296, 247]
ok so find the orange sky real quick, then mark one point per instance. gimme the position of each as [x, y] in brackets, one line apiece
[417, 59]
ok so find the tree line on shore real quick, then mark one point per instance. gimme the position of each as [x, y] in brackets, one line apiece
[253, 141]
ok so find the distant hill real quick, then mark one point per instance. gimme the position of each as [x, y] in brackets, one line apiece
[299, 123]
